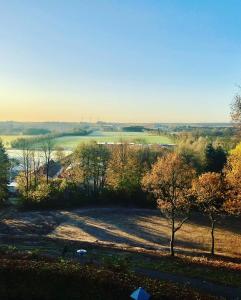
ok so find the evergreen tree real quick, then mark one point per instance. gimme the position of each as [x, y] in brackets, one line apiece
[215, 159]
[4, 173]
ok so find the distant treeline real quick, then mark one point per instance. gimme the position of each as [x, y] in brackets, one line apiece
[135, 129]
[36, 131]
[42, 128]
[205, 131]
[196, 131]
[31, 128]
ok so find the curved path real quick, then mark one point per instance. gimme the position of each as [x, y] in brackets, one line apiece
[211, 288]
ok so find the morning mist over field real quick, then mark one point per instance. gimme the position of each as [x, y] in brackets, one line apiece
[128, 61]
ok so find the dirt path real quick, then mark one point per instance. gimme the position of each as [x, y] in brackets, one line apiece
[195, 283]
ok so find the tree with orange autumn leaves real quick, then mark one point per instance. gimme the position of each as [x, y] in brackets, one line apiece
[173, 184]
[210, 191]
[170, 181]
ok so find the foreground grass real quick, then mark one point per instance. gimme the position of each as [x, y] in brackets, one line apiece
[212, 269]
[127, 239]
[219, 270]
[26, 277]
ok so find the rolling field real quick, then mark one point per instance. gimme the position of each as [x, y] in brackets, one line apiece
[70, 142]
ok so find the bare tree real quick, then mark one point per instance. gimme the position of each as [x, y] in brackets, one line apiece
[47, 147]
[236, 112]
[59, 154]
[35, 157]
[26, 163]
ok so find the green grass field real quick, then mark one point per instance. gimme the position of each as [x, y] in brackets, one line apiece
[70, 142]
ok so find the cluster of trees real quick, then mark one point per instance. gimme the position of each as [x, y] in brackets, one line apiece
[133, 128]
[203, 155]
[35, 131]
[179, 190]
[196, 175]
[136, 128]
[94, 173]
[199, 176]
[35, 167]
[177, 180]
[20, 128]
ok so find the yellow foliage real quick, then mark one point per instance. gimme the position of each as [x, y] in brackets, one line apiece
[233, 176]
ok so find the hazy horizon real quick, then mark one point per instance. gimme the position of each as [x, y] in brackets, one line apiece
[129, 61]
[114, 122]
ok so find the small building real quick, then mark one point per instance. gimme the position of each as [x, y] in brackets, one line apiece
[12, 187]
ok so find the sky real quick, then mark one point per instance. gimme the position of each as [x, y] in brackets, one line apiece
[123, 61]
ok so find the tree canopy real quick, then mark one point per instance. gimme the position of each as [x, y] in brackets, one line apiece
[233, 177]
[210, 195]
[170, 182]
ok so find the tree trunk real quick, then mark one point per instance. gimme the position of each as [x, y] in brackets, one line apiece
[47, 172]
[172, 253]
[213, 239]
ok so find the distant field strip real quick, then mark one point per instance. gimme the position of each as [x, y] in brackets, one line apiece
[70, 142]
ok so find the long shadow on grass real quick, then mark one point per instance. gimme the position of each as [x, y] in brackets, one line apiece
[231, 224]
[129, 232]
[30, 223]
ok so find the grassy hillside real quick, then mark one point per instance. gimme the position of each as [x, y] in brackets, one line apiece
[130, 228]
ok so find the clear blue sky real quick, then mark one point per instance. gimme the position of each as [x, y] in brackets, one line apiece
[140, 61]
